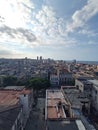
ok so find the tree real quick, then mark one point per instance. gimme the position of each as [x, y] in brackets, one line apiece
[21, 82]
[38, 83]
[9, 80]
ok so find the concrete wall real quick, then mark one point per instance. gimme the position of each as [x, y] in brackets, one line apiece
[26, 100]
[18, 122]
[95, 97]
[79, 85]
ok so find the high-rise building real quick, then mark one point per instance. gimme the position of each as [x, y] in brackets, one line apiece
[40, 57]
[37, 58]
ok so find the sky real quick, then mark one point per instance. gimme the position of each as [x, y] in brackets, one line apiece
[57, 29]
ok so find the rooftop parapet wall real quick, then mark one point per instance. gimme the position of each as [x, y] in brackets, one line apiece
[56, 106]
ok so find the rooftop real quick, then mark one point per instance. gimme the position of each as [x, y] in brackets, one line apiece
[8, 117]
[9, 98]
[55, 103]
[74, 96]
[82, 75]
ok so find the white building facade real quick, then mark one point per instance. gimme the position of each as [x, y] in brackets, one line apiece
[94, 94]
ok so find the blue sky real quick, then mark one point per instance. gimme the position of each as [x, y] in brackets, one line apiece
[59, 29]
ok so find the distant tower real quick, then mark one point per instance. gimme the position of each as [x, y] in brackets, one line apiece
[37, 58]
[40, 57]
[26, 61]
[74, 61]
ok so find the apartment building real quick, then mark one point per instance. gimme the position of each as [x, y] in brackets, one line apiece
[11, 118]
[10, 98]
[54, 80]
[94, 94]
[83, 85]
[79, 101]
[80, 105]
[58, 113]
[65, 77]
[61, 77]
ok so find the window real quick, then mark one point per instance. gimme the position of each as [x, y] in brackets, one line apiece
[24, 95]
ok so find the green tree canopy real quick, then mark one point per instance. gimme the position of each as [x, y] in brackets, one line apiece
[9, 80]
[38, 83]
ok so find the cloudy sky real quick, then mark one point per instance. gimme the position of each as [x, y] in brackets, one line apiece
[59, 29]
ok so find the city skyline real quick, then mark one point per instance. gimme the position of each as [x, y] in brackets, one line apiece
[59, 29]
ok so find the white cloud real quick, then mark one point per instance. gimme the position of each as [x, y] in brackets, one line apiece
[17, 13]
[46, 29]
[15, 17]
[80, 17]
[49, 29]
[87, 32]
[19, 35]
[46, 16]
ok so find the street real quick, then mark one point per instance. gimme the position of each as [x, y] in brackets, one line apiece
[36, 120]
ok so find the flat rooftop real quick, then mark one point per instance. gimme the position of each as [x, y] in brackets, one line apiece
[9, 98]
[74, 96]
[55, 103]
[82, 75]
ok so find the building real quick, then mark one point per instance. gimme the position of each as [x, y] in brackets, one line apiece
[40, 58]
[37, 58]
[94, 94]
[10, 98]
[83, 85]
[54, 80]
[56, 105]
[80, 105]
[26, 99]
[61, 77]
[58, 114]
[79, 101]
[74, 61]
[11, 118]
[65, 77]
